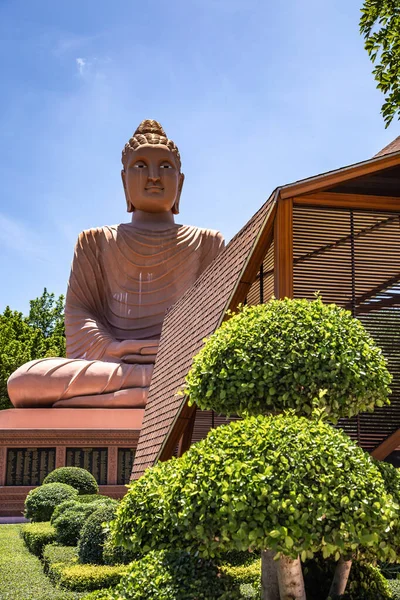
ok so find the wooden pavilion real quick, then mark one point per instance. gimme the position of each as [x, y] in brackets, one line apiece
[337, 234]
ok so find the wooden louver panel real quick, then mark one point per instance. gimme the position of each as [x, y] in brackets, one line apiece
[352, 258]
[262, 289]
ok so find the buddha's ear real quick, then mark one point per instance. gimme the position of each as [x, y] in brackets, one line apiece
[175, 208]
[129, 205]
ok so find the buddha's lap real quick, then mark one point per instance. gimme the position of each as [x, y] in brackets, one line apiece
[51, 379]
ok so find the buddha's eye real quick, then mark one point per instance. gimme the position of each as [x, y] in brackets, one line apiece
[140, 164]
[166, 165]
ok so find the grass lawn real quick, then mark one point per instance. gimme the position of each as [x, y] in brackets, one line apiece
[21, 573]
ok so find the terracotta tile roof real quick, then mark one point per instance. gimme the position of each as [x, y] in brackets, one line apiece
[195, 316]
[392, 147]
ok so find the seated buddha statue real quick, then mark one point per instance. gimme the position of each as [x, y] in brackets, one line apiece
[123, 279]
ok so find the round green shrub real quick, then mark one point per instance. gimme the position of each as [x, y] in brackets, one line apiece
[41, 502]
[282, 354]
[94, 535]
[280, 482]
[69, 522]
[174, 576]
[80, 479]
[97, 499]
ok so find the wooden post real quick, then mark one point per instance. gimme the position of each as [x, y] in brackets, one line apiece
[283, 247]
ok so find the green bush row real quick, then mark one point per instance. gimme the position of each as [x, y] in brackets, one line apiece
[37, 535]
[82, 578]
[41, 502]
[61, 565]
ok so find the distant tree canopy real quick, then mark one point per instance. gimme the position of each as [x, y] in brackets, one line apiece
[380, 26]
[25, 338]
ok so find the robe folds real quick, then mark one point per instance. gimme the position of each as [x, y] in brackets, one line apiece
[123, 279]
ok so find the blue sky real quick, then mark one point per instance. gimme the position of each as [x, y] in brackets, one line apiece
[255, 93]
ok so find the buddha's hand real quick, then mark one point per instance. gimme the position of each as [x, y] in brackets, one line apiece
[132, 351]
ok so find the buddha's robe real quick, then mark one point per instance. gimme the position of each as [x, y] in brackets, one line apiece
[123, 279]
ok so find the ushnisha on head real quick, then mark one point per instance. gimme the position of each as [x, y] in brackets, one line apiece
[151, 172]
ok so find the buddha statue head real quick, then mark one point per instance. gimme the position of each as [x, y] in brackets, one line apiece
[151, 173]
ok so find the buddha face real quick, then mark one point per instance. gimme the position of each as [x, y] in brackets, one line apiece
[152, 180]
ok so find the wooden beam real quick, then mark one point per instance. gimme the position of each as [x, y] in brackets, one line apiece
[181, 423]
[283, 248]
[387, 447]
[328, 180]
[360, 201]
[186, 439]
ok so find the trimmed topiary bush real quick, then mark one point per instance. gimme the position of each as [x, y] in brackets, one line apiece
[41, 502]
[94, 535]
[97, 500]
[37, 535]
[280, 355]
[283, 483]
[117, 555]
[174, 576]
[80, 479]
[69, 523]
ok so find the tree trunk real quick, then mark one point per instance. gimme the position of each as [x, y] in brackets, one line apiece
[290, 577]
[269, 576]
[340, 578]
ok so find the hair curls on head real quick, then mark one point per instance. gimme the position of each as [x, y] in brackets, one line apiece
[149, 132]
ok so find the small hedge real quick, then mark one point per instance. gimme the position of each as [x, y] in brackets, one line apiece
[94, 534]
[278, 356]
[82, 578]
[247, 578]
[78, 478]
[69, 523]
[53, 554]
[394, 586]
[174, 576]
[37, 535]
[41, 502]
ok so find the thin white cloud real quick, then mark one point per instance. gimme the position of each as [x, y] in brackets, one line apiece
[82, 64]
[16, 236]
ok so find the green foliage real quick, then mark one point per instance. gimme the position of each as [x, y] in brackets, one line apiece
[54, 553]
[290, 354]
[116, 555]
[380, 26]
[105, 594]
[174, 576]
[294, 485]
[37, 535]
[41, 502]
[69, 523]
[247, 578]
[80, 479]
[21, 573]
[82, 578]
[365, 581]
[394, 587]
[93, 498]
[23, 339]
[94, 535]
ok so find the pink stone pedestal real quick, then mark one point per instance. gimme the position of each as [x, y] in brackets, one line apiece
[62, 428]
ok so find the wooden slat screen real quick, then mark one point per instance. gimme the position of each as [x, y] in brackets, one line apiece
[262, 289]
[352, 258]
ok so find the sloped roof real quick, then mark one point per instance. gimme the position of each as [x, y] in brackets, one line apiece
[201, 310]
[195, 316]
[390, 148]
